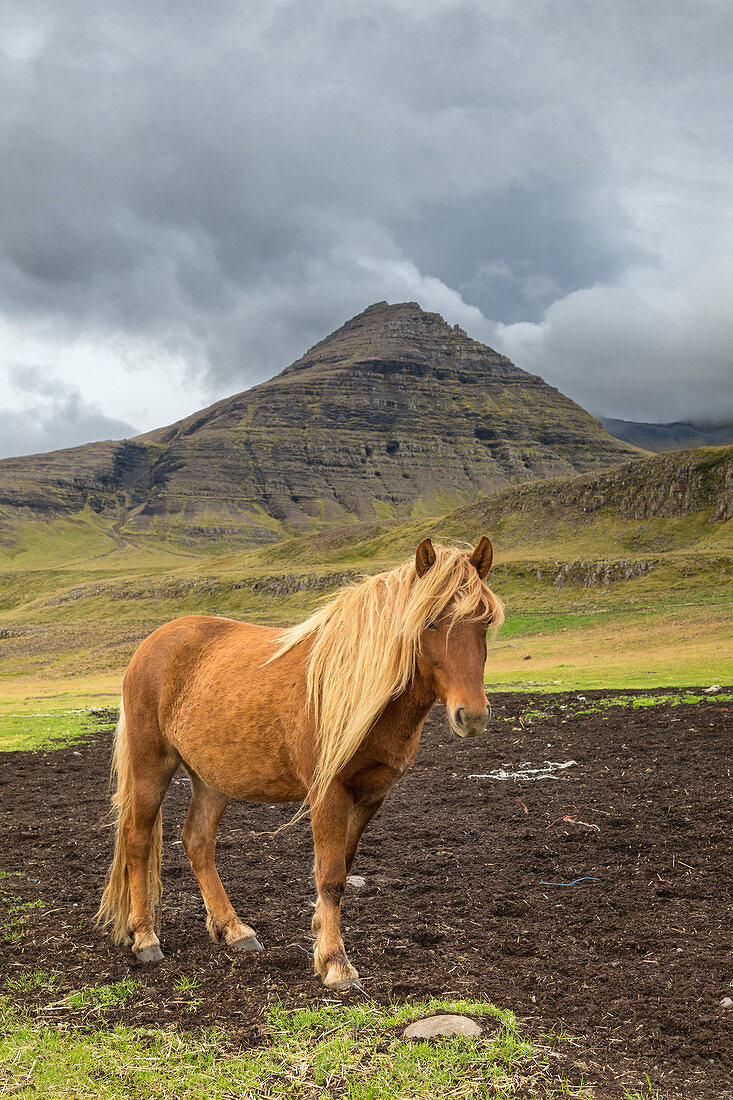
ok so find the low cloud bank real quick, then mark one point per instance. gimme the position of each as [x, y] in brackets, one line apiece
[192, 198]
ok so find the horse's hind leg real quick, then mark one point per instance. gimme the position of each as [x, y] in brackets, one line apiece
[143, 838]
[199, 840]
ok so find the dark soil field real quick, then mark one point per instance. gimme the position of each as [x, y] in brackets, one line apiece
[463, 889]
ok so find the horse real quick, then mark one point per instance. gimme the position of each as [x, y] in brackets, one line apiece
[327, 713]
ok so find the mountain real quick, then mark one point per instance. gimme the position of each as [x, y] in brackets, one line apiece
[667, 437]
[395, 414]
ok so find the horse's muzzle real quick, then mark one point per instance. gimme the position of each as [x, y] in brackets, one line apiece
[467, 724]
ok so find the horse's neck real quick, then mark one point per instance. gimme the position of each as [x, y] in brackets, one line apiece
[410, 708]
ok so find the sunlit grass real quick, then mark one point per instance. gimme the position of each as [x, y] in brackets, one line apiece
[53, 694]
[46, 980]
[625, 649]
[100, 996]
[48, 729]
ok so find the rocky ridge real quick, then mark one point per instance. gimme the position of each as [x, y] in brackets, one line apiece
[668, 485]
[668, 437]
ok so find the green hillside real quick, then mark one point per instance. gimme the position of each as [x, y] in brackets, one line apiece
[619, 578]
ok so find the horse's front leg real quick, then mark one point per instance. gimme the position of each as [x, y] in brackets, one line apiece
[362, 813]
[330, 819]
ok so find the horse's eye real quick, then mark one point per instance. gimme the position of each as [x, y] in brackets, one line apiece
[432, 626]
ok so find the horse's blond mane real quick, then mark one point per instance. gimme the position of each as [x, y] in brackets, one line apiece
[365, 644]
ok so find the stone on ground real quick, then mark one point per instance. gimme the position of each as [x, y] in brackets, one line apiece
[436, 1026]
[357, 881]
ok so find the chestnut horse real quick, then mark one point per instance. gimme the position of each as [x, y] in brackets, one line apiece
[329, 712]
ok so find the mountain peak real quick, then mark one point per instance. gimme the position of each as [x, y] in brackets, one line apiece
[387, 333]
[392, 312]
[397, 316]
[395, 413]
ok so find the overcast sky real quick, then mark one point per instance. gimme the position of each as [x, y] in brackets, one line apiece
[192, 194]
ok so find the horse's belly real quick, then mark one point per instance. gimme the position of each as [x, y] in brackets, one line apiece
[253, 765]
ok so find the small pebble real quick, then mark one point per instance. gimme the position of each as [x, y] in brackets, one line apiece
[435, 1027]
[727, 1002]
[357, 881]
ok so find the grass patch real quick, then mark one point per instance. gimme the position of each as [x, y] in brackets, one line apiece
[579, 707]
[45, 980]
[354, 1052]
[646, 1092]
[13, 928]
[624, 647]
[46, 729]
[99, 996]
[675, 699]
[184, 983]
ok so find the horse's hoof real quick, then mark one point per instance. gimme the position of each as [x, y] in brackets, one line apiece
[340, 977]
[150, 954]
[250, 943]
[344, 986]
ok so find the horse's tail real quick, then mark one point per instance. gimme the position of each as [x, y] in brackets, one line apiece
[114, 908]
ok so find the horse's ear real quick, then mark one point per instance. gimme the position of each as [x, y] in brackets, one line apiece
[424, 556]
[482, 556]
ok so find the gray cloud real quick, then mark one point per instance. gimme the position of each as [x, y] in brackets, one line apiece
[194, 194]
[52, 415]
[654, 357]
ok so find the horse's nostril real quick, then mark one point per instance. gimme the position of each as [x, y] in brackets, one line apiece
[468, 723]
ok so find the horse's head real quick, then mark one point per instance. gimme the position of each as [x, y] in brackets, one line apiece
[452, 650]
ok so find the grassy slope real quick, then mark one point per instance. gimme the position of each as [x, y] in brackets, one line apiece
[75, 600]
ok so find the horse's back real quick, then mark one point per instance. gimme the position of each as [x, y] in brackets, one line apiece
[170, 656]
